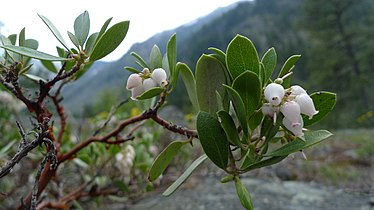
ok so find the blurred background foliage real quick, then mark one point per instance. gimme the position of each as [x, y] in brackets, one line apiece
[334, 37]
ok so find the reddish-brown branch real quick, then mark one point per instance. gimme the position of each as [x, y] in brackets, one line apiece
[61, 113]
[63, 203]
[150, 114]
[45, 178]
[55, 205]
[175, 128]
[70, 154]
[46, 87]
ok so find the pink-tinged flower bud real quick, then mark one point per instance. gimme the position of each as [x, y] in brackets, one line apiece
[296, 130]
[136, 91]
[297, 90]
[268, 110]
[274, 93]
[291, 111]
[306, 105]
[159, 76]
[133, 81]
[148, 84]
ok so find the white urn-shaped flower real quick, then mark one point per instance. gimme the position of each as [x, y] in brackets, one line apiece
[159, 76]
[274, 93]
[133, 81]
[148, 84]
[306, 105]
[297, 130]
[291, 111]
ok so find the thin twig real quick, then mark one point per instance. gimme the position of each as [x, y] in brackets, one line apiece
[175, 128]
[23, 149]
[51, 156]
[110, 115]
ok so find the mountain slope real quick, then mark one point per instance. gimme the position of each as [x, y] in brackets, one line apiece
[268, 23]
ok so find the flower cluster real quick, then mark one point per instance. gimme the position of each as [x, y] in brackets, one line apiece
[291, 103]
[141, 82]
[125, 161]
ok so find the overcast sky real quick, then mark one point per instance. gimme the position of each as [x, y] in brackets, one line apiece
[146, 18]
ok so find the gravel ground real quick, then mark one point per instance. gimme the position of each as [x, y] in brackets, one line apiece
[337, 175]
[208, 193]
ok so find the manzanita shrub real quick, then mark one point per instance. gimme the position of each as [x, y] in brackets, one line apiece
[246, 117]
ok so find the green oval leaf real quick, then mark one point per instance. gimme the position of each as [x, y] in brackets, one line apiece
[263, 163]
[249, 88]
[171, 52]
[7, 41]
[141, 62]
[213, 139]
[55, 32]
[73, 39]
[131, 69]
[227, 178]
[239, 108]
[32, 53]
[91, 42]
[22, 38]
[104, 27]
[250, 158]
[220, 103]
[184, 176]
[270, 62]
[49, 65]
[255, 119]
[229, 127]
[242, 55]
[243, 194]
[210, 76]
[31, 43]
[150, 93]
[288, 67]
[261, 74]
[219, 54]
[155, 58]
[311, 138]
[268, 129]
[110, 40]
[121, 185]
[12, 39]
[164, 158]
[21, 43]
[82, 27]
[189, 82]
[324, 102]
[34, 77]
